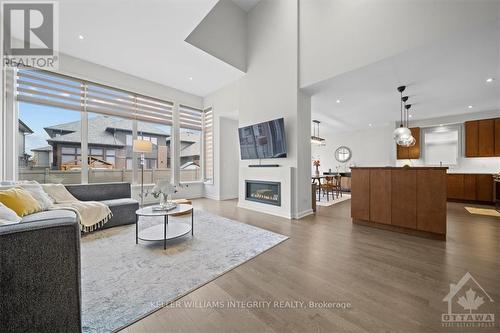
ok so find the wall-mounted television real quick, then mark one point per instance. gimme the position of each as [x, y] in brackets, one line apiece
[264, 140]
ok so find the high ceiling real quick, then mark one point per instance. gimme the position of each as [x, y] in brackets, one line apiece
[443, 78]
[145, 39]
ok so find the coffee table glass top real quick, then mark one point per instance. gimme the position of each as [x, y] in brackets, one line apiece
[148, 211]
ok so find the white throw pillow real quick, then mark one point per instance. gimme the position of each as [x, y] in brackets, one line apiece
[7, 215]
[38, 193]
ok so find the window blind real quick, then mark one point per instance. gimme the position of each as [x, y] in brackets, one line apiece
[46, 88]
[190, 118]
[208, 144]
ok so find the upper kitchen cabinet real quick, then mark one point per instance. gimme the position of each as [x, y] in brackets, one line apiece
[497, 137]
[482, 138]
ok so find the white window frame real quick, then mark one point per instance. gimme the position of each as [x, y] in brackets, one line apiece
[9, 140]
[436, 129]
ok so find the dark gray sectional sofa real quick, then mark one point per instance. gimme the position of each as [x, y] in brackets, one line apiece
[40, 263]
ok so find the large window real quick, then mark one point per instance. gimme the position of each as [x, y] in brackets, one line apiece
[208, 151]
[63, 120]
[49, 151]
[190, 120]
[441, 145]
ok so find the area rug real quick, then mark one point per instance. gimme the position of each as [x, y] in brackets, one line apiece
[483, 211]
[324, 202]
[123, 282]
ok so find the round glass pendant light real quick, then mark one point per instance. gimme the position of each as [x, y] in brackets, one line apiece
[401, 133]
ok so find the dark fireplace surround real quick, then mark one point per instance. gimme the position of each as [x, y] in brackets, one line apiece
[263, 192]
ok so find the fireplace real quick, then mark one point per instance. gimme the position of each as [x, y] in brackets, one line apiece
[263, 192]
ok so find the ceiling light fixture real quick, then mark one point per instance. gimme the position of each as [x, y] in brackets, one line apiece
[402, 134]
[338, 101]
[470, 106]
[80, 37]
[190, 78]
[369, 125]
[315, 138]
[490, 79]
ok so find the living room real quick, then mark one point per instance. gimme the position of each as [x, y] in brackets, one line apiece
[156, 163]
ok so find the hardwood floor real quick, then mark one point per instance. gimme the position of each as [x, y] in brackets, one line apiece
[394, 282]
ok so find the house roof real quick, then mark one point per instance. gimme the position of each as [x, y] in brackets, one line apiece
[101, 131]
[45, 148]
[24, 128]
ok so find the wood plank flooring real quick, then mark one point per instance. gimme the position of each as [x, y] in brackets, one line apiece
[394, 282]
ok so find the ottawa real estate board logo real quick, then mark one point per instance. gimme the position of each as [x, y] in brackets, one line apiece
[30, 34]
[468, 305]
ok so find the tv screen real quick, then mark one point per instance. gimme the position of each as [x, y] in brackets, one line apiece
[264, 140]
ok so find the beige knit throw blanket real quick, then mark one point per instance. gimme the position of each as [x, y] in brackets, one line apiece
[92, 214]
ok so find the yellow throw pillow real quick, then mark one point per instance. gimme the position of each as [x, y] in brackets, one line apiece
[20, 201]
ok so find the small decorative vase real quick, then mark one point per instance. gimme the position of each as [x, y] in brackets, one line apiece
[163, 200]
[317, 172]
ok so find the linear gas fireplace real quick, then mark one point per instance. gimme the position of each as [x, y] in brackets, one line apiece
[263, 192]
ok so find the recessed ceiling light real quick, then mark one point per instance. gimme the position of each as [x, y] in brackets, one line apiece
[410, 116]
[190, 78]
[490, 79]
[338, 101]
[470, 106]
[370, 125]
[80, 37]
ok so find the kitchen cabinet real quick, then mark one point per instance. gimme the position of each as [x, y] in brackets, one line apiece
[470, 187]
[471, 137]
[497, 137]
[482, 138]
[409, 200]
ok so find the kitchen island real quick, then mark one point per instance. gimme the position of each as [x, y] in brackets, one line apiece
[403, 199]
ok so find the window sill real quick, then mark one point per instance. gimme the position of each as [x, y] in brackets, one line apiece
[192, 182]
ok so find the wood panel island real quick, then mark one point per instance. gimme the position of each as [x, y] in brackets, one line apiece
[408, 199]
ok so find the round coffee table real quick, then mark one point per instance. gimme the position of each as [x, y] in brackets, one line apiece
[165, 231]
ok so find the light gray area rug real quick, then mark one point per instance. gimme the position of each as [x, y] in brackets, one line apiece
[122, 281]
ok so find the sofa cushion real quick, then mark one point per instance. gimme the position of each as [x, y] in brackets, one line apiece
[123, 211]
[119, 202]
[53, 215]
[20, 201]
[7, 215]
[100, 192]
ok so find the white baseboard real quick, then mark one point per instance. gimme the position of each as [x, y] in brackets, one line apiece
[303, 214]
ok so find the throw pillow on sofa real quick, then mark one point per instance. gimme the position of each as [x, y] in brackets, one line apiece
[20, 201]
[38, 193]
[7, 215]
[58, 193]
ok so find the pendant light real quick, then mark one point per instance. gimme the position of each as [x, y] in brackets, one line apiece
[315, 138]
[402, 134]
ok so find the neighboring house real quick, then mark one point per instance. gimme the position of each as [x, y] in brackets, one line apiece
[23, 131]
[109, 145]
[42, 157]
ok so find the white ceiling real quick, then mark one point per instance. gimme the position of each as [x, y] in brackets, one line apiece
[443, 78]
[145, 39]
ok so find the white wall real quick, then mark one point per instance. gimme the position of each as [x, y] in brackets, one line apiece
[370, 147]
[269, 90]
[341, 35]
[222, 33]
[89, 71]
[224, 103]
[229, 158]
